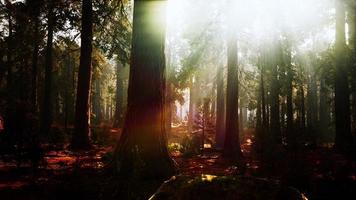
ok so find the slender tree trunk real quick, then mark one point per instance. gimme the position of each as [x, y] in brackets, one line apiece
[324, 109]
[119, 96]
[212, 114]
[67, 91]
[343, 137]
[259, 133]
[192, 104]
[220, 109]
[241, 119]
[312, 110]
[36, 41]
[275, 111]
[142, 148]
[97, 102]
[80, 139]
[302, 109]
[10, 121]
[9, 58]
[47, 97]
[169, 94]
[291, 138]
[263, 99]
[168, 106]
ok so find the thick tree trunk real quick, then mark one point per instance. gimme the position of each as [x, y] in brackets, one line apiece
[46, 121]
[142, 149]
[80, 139]
[352, 44]
[232, 147]
[343, 137]
[220, 109]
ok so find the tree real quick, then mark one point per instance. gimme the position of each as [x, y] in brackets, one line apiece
[232, 149]
[275, 65]
[119, 96]
[220, 108]
[343, 137]
[36, 11]
[46, 117]
[81, 135]
[142, 149]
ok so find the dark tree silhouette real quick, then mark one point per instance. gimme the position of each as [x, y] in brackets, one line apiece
[80, 139]
[47, 96]
[343, 137]
[220, 108]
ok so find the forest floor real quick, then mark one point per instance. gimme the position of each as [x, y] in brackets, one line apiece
[320, 174]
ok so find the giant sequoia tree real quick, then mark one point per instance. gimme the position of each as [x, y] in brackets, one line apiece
[80, 138]
[142, 149]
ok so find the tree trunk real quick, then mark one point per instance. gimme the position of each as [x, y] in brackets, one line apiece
[232, 149]
[352, 43]
[302, 109]
[291, 138]
[36, 42]
[97, 110]
[263, 98]
[9, 58]
[119, 96]
[212, 114]
[47, 97]
[220, 109]
[324, 109]
[80, 139]
[259, 133]
[168, 106]
[343, 137]
[142, 148]
[275, 111]
[192, 104]
[67, 96]
[312, 116]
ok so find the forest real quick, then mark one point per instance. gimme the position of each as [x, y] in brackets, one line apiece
[178, 99]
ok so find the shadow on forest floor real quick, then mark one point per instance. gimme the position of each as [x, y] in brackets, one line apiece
[320, 174]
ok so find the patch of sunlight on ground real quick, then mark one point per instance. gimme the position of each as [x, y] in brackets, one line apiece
[207, 177]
